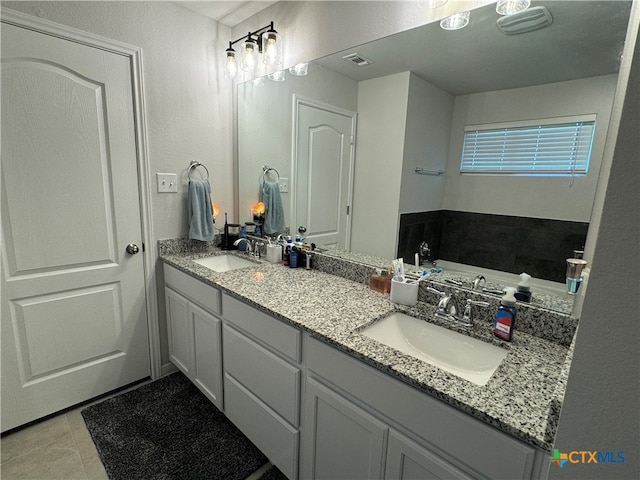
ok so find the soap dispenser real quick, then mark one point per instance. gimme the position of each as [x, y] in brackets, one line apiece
[524, 290]
[505, 316]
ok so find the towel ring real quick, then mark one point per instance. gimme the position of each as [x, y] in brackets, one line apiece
[266, 169]
[195, 164]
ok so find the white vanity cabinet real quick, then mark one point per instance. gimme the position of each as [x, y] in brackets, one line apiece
[262, 381]
[394, 431]
[194, 331]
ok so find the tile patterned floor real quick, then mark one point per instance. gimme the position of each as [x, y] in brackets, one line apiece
[58, 448]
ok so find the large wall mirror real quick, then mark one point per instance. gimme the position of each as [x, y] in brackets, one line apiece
[401, 103]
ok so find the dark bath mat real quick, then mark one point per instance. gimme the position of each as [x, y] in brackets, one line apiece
[168, 430]
[273, 474]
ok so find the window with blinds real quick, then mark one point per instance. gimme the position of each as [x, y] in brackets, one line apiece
[542, 147]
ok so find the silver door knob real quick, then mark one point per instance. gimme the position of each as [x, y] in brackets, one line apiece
[132, 249]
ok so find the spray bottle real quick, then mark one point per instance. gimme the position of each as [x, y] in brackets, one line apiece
[505, 316]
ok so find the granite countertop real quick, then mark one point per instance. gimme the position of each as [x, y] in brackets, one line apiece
[522, 398]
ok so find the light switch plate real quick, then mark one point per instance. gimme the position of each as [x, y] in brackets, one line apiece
[167, 182]
[284, 185]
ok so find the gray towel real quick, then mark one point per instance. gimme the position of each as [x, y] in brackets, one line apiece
[200, 210]
[273, 212]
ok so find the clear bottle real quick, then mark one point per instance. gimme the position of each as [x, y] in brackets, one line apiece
[505, 319]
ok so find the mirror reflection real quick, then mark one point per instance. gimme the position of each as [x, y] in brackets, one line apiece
[368, 143]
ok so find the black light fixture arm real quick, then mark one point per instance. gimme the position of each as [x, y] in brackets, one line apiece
[251, 35]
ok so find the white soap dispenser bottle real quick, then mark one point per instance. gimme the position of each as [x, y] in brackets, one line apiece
[524, 290]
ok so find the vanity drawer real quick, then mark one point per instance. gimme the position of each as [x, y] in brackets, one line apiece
[267, 376]
[274, 437]
[207, 296]
[283, 338]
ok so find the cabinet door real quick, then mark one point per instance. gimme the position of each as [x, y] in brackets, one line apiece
[207, 369]
[407, 460]
[179, 332]
[341, 440]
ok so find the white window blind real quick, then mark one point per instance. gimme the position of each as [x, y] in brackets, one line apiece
[541, 147]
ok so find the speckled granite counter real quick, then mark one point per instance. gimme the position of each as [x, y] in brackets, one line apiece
[523, 397]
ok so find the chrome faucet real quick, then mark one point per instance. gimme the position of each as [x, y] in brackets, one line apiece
[448, 308]
[248, 242]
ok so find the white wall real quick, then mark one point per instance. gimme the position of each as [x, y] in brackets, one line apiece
[382, 113]
[427, 132]
[541, 197]
[601, 410]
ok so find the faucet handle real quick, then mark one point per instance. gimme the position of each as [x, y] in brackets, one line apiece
[467, 317]
[437, 292]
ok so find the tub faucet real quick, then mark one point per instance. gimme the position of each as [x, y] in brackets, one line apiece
[424, 252]
[478, 281]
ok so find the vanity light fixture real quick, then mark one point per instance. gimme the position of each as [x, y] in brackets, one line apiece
[277, 76]
[455, 22]
[299, 70]
[509, 7]
[431, 3]
[262, 45]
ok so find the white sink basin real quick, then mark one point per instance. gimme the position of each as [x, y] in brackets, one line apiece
[464, 356]
[224, 263]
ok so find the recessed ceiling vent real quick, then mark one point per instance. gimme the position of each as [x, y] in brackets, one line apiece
[358, 59]
[526, 21]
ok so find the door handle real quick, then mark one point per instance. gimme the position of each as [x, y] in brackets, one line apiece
[132, 249]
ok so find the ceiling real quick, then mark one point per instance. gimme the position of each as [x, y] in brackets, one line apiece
[585, 39]
[229, 13]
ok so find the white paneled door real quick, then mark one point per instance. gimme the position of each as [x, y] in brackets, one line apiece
[325, 139]
[74, 320]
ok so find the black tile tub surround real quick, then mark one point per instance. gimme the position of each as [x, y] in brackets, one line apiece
[513, 244]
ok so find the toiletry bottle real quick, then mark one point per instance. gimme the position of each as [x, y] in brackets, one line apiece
[380, 281]
[242, 246]
[524, 291]
[293, 257]
[286, 252]
[505, 316]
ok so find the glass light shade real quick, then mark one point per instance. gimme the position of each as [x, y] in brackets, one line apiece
[431, 3]
[276, 76]
[258, 208]
[300, 70]
[271, 46]
[455, 22]
[230, 64]
[249, 54]
[509, 7]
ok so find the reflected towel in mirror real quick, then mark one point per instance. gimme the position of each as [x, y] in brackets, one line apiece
[200, 210]
[273, 212]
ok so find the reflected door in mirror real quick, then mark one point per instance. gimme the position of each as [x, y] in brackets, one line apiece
[323, 172]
